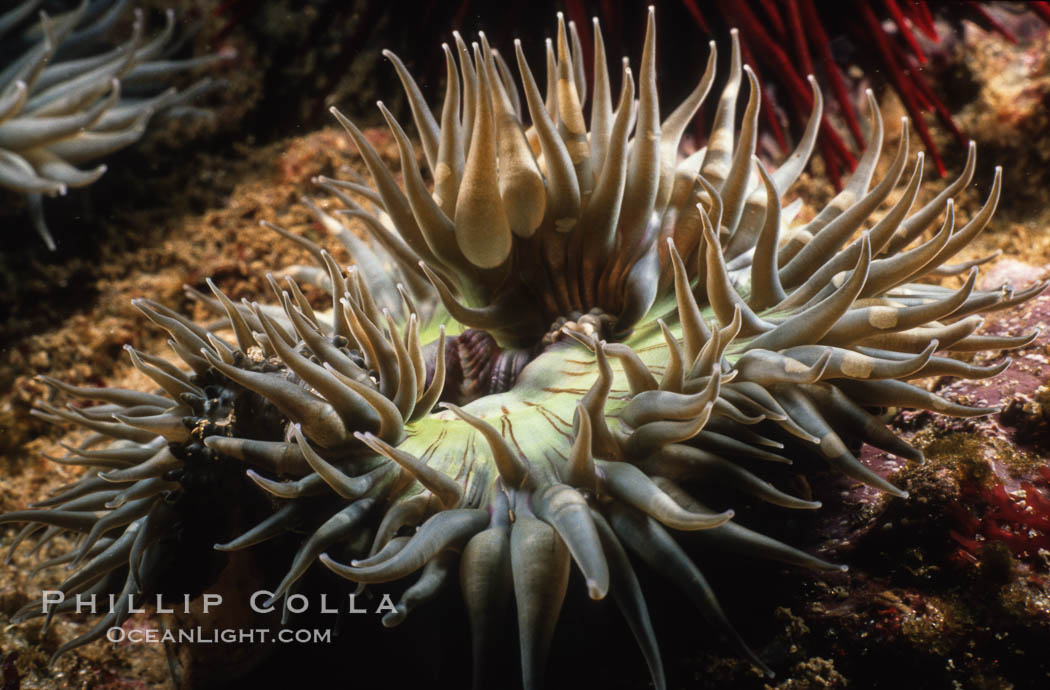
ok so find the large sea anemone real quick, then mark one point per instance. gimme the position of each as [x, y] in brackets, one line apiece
[539, 358]
[68, 98]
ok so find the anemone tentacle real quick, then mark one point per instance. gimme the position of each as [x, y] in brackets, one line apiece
[66, 98]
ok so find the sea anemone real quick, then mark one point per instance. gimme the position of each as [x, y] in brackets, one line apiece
[67, 99]
[535, 360]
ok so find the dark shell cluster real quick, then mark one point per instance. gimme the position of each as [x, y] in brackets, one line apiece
[534, 361]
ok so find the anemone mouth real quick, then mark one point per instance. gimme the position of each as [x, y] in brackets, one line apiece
[459, 402]
[477, 366]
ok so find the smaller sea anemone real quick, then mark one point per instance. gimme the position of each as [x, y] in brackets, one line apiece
[66, 99]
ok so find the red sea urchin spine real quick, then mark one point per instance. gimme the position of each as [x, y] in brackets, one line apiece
[902, 26]
[1023, 525]
[1042, 8]
[836, 154]
[900, 77]
[779, 36]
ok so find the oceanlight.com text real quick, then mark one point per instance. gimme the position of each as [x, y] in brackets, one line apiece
[224, 635]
